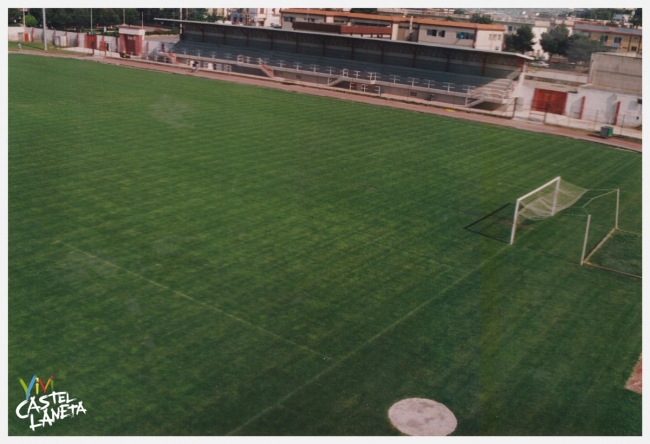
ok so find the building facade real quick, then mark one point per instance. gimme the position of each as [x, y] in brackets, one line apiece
[262, 17]
[412, 29]
[615, 39]
[538, 28]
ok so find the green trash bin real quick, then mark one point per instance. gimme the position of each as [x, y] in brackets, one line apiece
[606, 131]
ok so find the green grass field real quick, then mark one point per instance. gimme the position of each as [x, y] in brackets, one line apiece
[38, 46]
[620, 252]
[194, 257]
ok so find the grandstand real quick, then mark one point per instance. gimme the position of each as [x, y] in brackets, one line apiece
[458, 76]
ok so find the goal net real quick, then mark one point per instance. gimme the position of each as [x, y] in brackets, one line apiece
[546, 201]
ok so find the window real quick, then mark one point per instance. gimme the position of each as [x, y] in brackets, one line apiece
[311, 20]
[432, 32]
[618, 39]
[464, 36]
[441, 34]
[603, 39]
[633, 49]
[289, 19]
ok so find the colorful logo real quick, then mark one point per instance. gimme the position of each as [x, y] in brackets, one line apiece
[52, 407]
[38, 380]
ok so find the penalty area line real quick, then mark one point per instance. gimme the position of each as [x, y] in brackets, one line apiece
[183, 295]
[336, 364]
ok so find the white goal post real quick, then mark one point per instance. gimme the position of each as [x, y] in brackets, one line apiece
[545, 201]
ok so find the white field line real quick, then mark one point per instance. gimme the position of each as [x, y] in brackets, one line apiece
[279, 402]
[629, 232]
[178, 293]
[594, 198]
[600, 244]
[614, 271]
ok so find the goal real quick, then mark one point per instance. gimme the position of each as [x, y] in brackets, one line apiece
[545, 201]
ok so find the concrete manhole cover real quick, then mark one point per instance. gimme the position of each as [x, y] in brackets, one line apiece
[422, 417]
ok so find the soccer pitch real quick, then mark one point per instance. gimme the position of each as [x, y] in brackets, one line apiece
[194, 257]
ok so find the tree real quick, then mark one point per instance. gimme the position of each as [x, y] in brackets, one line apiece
[196, 14]
[521, 41]
[556, 40]
[106, 17]
[480, 18]
[59, 18]
[459, 11]
[15, 16]
[581, 47]
[636, 20]
[80, 18]
[30, 21]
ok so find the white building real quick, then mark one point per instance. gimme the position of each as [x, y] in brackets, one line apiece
[412, 29]
[538, 27]
[262, 17]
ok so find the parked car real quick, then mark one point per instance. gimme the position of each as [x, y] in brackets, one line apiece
[539, 64]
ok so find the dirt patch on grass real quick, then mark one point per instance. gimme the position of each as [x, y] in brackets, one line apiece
[634, 383]
[422, 417]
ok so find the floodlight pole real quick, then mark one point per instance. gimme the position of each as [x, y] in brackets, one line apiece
[44, 32]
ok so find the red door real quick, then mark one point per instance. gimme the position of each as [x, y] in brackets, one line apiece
[91, 41]
[130, 44]
[553, 102]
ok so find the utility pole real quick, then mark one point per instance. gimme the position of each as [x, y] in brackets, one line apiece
[124, 16]
[44, 33]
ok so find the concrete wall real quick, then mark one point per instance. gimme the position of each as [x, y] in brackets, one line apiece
[13, 32]
[449, 38]
[489, 40]
[616, 71]
[74, 39]
[600, 106]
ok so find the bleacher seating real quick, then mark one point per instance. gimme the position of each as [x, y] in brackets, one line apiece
[385, 73]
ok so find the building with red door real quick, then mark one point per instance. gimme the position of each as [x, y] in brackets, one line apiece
[131, 39]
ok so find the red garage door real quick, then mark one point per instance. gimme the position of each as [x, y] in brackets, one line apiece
[553, 102]
[130, 44]
[91, 41]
